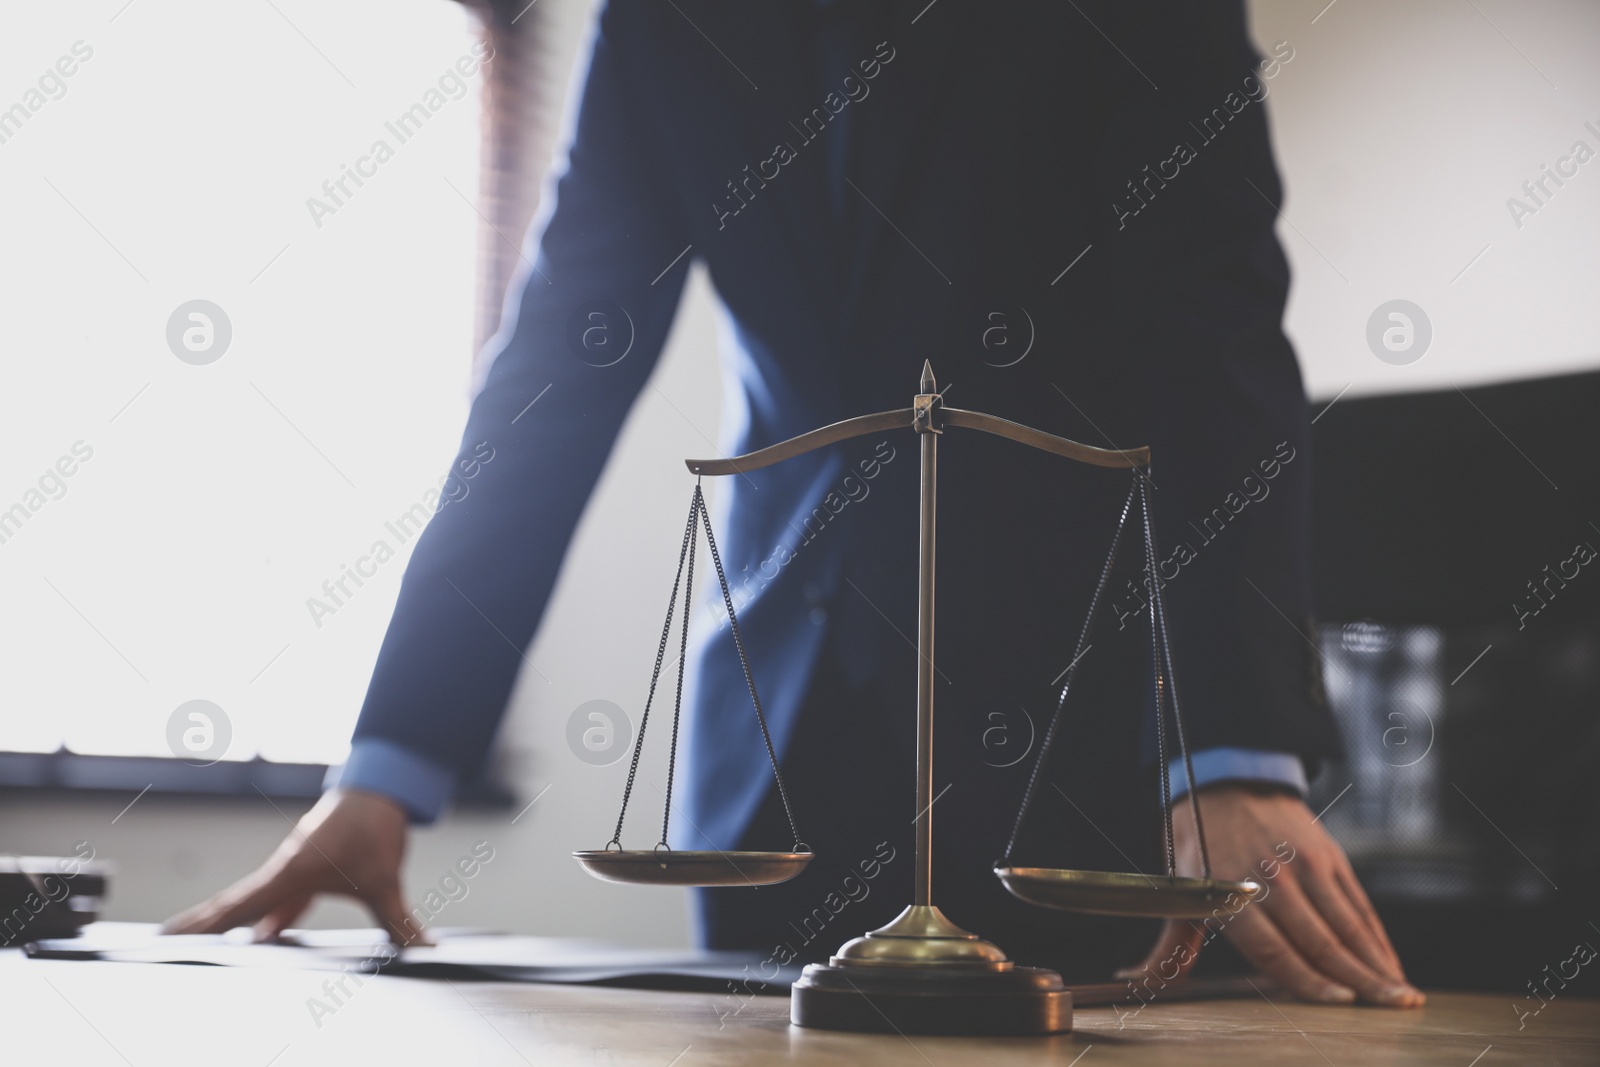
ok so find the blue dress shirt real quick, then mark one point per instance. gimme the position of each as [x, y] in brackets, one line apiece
[422, 787]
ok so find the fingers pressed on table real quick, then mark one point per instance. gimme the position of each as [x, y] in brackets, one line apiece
[1292, 912]
[1255, 934]
[241, 904]
[1337, 910]
[389, 907]
[1363, 905]
[280, 918]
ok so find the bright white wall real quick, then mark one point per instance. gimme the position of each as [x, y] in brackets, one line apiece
[1401, 130]
[354, 330]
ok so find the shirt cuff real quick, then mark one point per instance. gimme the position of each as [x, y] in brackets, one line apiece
[1214, 765]
[380, 766]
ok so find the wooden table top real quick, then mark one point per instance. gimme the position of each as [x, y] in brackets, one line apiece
[121, 1014]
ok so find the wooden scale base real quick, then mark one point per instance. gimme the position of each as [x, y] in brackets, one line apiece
[922, 974]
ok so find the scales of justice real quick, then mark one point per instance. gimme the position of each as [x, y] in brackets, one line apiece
[921, 973]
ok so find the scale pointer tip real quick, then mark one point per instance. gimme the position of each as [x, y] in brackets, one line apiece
[928, 384]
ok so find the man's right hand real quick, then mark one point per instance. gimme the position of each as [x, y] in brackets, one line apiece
[350, 844]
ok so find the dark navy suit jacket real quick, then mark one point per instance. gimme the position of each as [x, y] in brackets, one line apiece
[1068, 209]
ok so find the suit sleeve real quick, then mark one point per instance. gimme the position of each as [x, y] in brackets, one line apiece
[581, 338]
[1192, 199]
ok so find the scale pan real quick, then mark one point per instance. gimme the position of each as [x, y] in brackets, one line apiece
[693, 868]
[1119, 893]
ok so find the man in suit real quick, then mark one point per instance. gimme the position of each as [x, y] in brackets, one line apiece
[1070, 212]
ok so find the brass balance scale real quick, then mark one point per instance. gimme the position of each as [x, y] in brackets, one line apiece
[921, 973]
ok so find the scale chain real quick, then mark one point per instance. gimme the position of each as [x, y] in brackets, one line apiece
[1061, 701]
[698, 515]
[1159, 639]
[655, 675]
[744, 662]
[683, 659]
[1160, 690]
